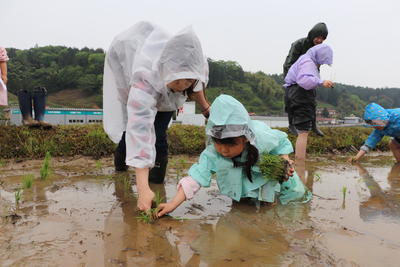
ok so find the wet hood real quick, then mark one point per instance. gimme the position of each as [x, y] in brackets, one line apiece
[376, 114]
[318, 30]
[321, 54]
[229, 118]
[182, 58]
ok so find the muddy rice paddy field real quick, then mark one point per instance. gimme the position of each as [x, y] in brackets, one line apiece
[84, 214]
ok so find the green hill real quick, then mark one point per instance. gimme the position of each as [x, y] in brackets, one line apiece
[73, 78]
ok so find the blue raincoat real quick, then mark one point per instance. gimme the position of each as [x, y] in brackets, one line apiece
[232, 181]
[380, 116]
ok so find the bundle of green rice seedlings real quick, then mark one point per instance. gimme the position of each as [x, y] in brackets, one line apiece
[273, 167]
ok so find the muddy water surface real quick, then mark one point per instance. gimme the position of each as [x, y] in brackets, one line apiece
[85, 215]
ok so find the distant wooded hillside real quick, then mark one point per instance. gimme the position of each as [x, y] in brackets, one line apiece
[74, 77]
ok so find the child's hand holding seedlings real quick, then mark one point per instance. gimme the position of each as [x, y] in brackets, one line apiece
[290, 169]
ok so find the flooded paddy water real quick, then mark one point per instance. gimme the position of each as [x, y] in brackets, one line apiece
[84, 214]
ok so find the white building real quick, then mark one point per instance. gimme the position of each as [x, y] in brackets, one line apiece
[352, 120]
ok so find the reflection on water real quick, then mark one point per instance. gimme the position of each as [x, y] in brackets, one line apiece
[86, 215]
[381, 203]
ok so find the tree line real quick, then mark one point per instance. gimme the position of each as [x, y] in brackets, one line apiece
[58, 68]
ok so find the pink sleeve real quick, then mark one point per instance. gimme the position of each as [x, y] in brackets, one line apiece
[189, 186]
[3, 54]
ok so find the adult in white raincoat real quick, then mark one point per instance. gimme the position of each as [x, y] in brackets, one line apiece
[148, 74]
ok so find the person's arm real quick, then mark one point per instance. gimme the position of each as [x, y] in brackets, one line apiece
[187, 188]
[3, 64]
[308, 76]
[199, 98]
[170, 206]
[3, 70]
[371, 142]
[146, 195]
[140, 138]
[357, 157]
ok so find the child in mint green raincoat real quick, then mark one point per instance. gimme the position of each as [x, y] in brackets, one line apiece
[237, 142]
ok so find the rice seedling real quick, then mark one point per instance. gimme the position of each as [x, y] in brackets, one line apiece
[27, 181]
[45, 170]
[344, 191]
[146, 217]
[17, 196]
[151, 215]
[99, 165]
[317, 177]
[273, 167]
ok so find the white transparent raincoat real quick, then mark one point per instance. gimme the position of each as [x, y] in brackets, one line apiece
[139, 64]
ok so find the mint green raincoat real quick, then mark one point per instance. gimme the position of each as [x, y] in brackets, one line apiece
[232, 181]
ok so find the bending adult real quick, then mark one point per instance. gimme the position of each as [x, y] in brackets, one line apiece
[148, 74]
[301, 83]
[316, 35]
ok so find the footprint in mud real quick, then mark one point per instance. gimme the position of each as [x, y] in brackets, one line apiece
[12, 218]
[194, 209]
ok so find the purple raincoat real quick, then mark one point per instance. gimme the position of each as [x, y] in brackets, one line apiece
[304, 71]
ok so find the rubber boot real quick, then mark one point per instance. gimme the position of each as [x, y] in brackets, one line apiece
[292, 129]
[25, 105]
[316, 130]
[120, 156]
[39, 106]
[157, 173]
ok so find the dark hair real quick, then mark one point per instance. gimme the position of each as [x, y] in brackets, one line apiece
[252, 154]
[189, 91]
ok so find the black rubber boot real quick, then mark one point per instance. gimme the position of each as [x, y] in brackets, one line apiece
[25, 105]
[316, 130]
[292, 129]
[120, 156]
[39, 106]
[157, 173]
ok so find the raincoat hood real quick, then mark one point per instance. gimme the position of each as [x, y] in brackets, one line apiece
[321, 54]
[376, 114]
[229, 118]
[319, 30]
[182, 58]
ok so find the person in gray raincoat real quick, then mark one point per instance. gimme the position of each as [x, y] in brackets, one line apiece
[148, 74]
[316, 35]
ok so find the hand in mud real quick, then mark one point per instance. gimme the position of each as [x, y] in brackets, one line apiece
[145, 199]
[165, 208]
[352, 160]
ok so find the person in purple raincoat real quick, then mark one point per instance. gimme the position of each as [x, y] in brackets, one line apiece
[385, 122]
[300, 94]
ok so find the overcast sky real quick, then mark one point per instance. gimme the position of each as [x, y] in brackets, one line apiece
[364, 34]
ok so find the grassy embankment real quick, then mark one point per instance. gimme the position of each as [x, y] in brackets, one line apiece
[90, 140]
